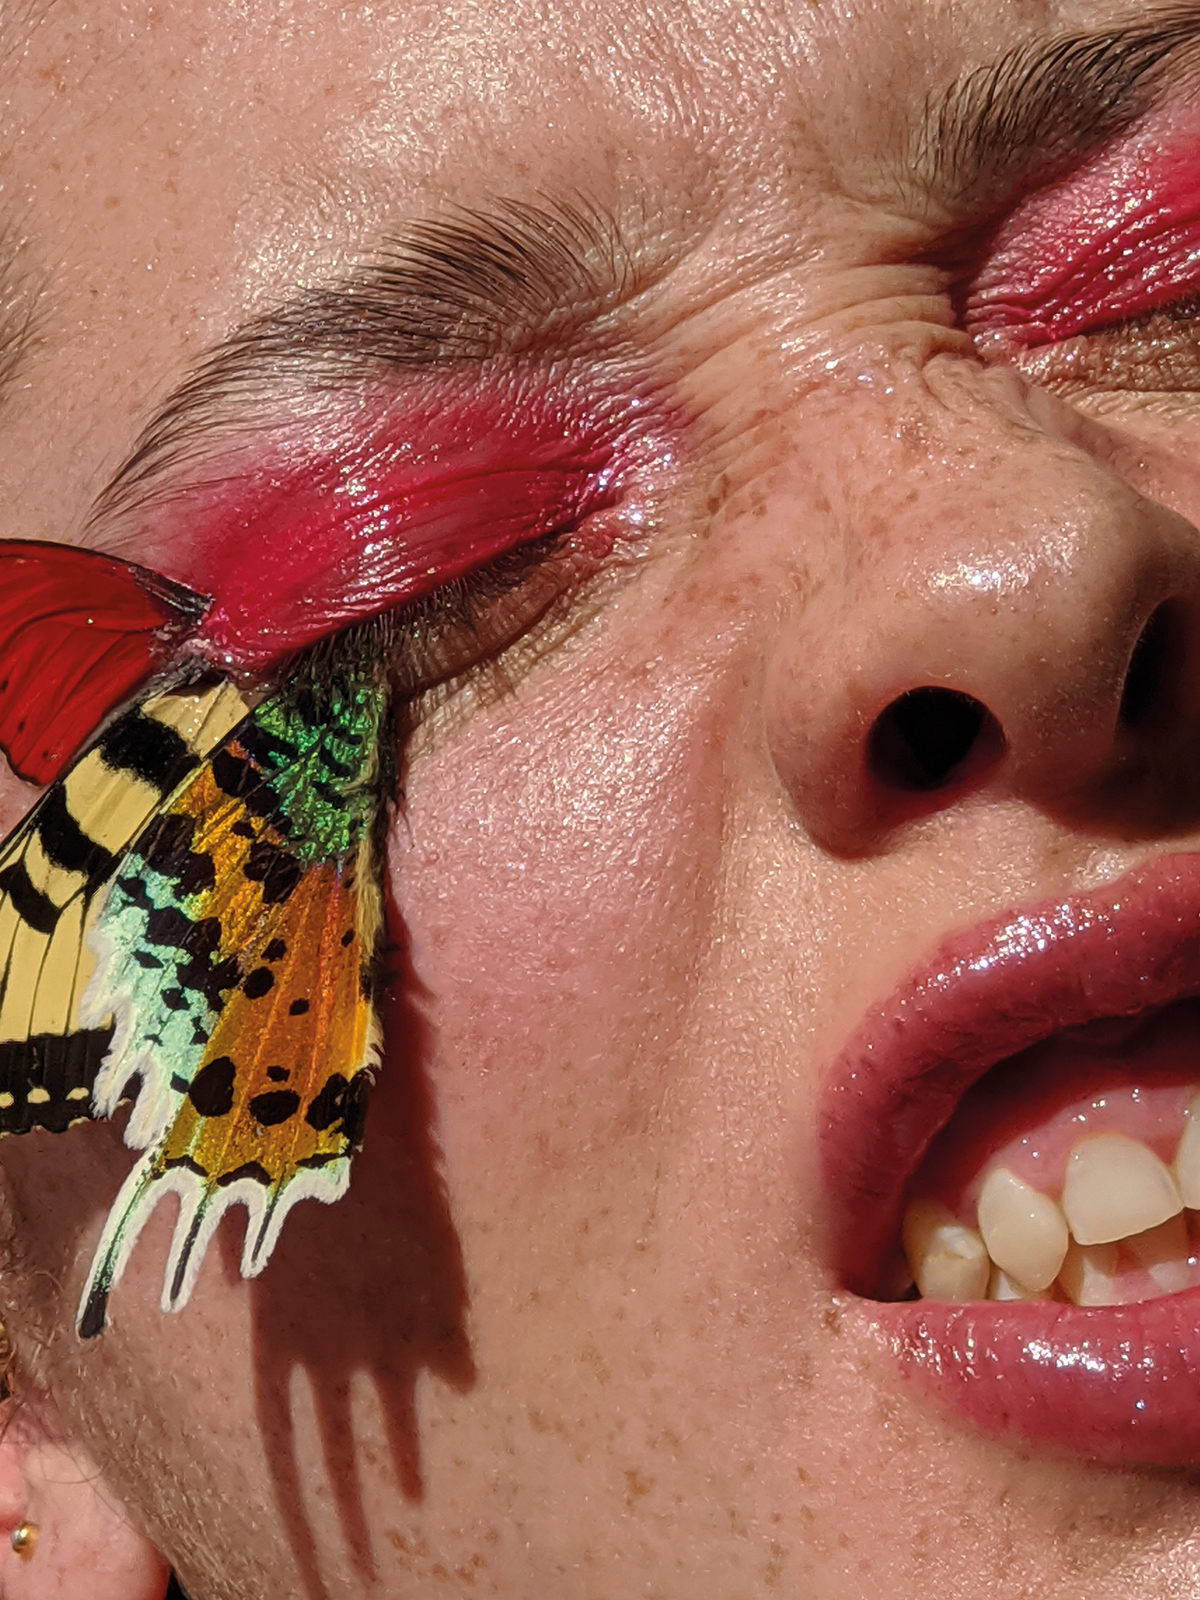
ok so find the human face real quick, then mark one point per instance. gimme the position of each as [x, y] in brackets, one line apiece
[694, 951]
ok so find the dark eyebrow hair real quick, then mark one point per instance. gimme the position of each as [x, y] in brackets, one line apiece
[464, 288]
[1045, 105]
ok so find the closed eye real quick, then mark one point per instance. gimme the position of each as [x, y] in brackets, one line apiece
[1094, 282]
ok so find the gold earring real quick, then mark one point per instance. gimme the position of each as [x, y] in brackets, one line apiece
[24, 1539]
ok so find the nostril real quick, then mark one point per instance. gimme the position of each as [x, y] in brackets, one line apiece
[922, 740]
[1147, 680]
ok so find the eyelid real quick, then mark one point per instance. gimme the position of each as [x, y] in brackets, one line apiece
[296, 551]
[1118, 240]
[464, 630]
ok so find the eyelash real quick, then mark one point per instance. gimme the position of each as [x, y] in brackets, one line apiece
[1157, 352]
[481, 630]
[465, 629]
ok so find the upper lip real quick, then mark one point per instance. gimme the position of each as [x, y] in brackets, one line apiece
[985, 995]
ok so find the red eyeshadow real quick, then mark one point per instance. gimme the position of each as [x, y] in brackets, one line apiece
[380, 510]
[1117, 240]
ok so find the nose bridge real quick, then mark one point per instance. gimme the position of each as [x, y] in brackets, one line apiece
[1005, 580]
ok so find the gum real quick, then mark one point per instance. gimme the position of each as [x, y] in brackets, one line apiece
[1130, 1076]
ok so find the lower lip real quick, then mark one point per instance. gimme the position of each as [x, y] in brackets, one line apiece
[1118, 1384]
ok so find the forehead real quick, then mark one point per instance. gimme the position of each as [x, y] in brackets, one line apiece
[346, 113]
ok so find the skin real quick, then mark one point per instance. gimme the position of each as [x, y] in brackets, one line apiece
[572, 1332]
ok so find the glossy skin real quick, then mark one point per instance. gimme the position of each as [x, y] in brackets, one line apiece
[573, 1333]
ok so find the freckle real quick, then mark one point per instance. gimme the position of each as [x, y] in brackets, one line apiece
[636, 1486]
[831, 1319]
[111, 202]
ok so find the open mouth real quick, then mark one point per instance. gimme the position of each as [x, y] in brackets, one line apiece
[1013, 1144]
[1069, 1172]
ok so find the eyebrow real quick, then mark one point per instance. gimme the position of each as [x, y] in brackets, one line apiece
[1044, 106]
[521, 279]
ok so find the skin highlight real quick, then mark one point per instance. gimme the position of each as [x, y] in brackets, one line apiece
[574, 1330]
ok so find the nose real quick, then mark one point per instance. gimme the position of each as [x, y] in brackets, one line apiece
[1023, 624]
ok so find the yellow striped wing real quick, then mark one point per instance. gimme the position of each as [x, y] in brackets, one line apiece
[54, 872]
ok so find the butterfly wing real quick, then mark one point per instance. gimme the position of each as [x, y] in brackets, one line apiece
[54, 872]
[79, 633]
[254, 894]
[193, 906]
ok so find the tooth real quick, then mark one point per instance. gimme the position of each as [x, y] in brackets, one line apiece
[1115, 1186]
[1023, 1231]
[948, 1261]
[1187, 1157]
[1089, 1273]
[1002, 1287]
[1163, 1252]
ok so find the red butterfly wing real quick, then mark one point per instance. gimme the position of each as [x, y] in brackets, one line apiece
[79, 632]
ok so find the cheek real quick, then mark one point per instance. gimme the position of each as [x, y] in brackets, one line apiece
[561, 880]
[556, 873]
[556, 879]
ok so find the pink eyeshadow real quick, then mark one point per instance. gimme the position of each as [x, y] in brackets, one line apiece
[1119, 239]
[306, 541]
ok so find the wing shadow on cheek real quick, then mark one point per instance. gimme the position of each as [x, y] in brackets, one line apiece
[372, 1285]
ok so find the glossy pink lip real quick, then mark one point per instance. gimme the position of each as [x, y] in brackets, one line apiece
[1120, 1384]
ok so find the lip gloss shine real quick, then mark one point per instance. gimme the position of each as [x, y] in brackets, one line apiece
[1118, 1383]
